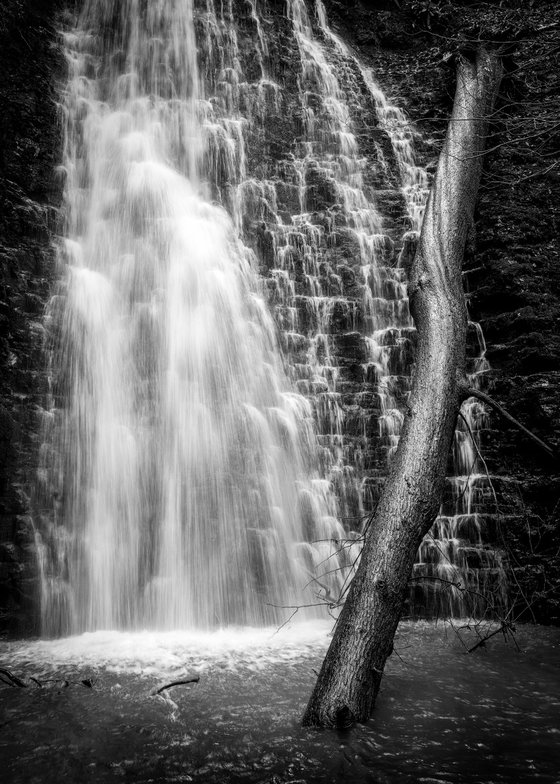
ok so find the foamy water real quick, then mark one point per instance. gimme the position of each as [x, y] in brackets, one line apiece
[175, 652]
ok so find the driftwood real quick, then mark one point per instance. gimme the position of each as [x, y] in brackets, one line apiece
[9, 679]
[184, 682]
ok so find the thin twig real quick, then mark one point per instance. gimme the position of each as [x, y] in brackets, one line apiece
[472, 392]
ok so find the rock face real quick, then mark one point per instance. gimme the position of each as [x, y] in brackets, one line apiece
[30, 65]
[512, 267]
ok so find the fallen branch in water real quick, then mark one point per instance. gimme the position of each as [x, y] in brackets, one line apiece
[13, 680]
[9, 679]
[505, 628]
[192, 679]
[39, 684]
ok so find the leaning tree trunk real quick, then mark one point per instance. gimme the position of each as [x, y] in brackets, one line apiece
[363, 639]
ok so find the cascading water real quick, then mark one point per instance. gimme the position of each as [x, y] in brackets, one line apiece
[455, 574]
[201, 475]
[182, 455]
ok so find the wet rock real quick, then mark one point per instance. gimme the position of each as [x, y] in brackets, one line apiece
[29, 130]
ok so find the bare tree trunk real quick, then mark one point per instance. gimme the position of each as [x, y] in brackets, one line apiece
[351, 673]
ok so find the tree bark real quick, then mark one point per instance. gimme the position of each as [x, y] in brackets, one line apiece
[349, 679]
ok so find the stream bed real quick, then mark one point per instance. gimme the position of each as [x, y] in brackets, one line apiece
[442, 715]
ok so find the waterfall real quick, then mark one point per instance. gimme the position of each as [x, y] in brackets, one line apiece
[455, 573]
[183, 457]
[230, 339]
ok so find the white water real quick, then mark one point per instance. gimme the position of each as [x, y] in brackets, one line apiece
[211, 453]
[182, 453]
[171, 654]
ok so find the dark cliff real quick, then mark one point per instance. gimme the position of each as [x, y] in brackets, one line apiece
[30, 65]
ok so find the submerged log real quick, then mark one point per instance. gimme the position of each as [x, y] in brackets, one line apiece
[351, 674]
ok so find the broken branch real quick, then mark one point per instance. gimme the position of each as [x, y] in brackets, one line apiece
[192, 679]
[471, 392]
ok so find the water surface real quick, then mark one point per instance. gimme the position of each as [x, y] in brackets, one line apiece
[442, 715]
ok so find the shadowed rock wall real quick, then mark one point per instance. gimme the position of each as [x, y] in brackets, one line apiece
[30, 63]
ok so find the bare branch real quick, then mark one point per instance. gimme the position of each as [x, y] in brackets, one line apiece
[192, 679]
[505, 627]
[13, 680]
[471, 392]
